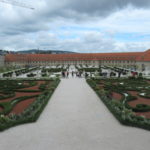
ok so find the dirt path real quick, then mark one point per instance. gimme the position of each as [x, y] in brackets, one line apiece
[75, 119]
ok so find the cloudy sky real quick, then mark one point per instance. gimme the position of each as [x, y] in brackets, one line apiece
[76, 25]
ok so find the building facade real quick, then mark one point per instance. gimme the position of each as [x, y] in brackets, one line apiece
[138, 61]
[2, 60]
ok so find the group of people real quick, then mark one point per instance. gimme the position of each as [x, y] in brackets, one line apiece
[65, 74]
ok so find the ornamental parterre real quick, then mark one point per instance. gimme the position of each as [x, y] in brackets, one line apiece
[22, 101]
[128, 99]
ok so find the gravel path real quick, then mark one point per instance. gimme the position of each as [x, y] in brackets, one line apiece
[75, 119]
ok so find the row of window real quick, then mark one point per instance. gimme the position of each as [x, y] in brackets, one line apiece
[120, 61]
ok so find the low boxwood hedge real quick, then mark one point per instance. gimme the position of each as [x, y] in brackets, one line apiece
[142, 108]
[32, 113]
[8, 95]
[146, 95]
[124, 115]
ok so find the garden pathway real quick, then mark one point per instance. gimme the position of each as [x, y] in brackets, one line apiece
[75, 119]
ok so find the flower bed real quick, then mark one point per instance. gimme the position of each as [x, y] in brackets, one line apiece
[132, 109]
[117, 96]
[27, 104]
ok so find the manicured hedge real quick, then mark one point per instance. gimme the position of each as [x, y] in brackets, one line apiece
[44, 70]
[9, 87]
[8, 106]
[147, 95]
[9, 95]
[32, 113]
[31, 75]
[124, 115]
[25, 70]
[90, 69]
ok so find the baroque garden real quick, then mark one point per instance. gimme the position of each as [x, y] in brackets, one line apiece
[120, 80]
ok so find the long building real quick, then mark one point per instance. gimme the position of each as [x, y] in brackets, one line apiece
[139, 61]
[2, 58]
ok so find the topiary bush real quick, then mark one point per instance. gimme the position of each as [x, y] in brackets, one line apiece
[141, 108]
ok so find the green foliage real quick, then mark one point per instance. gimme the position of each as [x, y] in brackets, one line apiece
[30, 114]
[90, 69]
[124, 114]
[31, 75]
[8, 74]
[45, 70]
[44, 74]
[146, 95]
[9, 94]
[25, 70]
[8, 106]
[42, 87]
[131, 98]
[142, 108]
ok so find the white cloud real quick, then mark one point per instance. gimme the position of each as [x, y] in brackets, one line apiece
[87, 27]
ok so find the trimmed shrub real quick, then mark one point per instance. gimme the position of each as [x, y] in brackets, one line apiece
[124, 115]
[32, 113]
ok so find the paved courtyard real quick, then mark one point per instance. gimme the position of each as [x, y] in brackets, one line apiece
[75, 119]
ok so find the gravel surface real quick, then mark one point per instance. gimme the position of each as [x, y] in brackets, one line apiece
[75, 119]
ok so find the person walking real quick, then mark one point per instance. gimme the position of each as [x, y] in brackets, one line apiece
[80, 74]
[67, 74]
[72, 74]
[86, 74]
[63, 74]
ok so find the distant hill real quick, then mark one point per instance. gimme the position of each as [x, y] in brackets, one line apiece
[3, 52]
[35, 51]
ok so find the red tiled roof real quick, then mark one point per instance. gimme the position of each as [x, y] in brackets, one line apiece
[145, 56]
[134, 56]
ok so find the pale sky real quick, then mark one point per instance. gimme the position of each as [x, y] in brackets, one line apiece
[76, 25]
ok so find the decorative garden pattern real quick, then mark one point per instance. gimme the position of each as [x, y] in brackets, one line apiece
[22, 101]
[127, 99]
